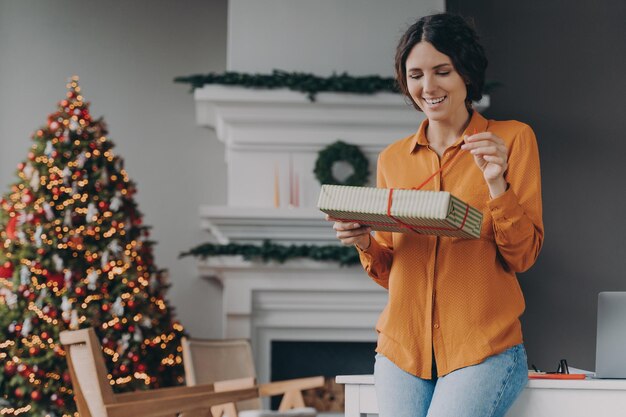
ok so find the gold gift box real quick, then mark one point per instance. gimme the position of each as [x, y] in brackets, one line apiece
[401, 210]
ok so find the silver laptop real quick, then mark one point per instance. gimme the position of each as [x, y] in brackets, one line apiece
[611, 336]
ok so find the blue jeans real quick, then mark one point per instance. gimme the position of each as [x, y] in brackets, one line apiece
[487, 389]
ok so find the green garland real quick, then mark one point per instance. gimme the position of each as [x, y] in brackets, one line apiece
[306, 83]
[298, 81]
[341, 151]
[268, 251]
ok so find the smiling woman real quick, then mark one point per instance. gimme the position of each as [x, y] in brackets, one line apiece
[450, 339]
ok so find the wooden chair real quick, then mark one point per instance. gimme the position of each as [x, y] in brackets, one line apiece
[95, 398]
[231, 359]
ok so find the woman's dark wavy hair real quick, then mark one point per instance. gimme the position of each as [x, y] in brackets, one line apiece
[453, 36]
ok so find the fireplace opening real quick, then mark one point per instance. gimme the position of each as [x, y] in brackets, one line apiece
[299, 359]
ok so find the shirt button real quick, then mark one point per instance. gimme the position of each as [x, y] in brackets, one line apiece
[436, 325]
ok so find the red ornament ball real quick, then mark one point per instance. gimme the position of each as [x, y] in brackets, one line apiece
[55, 279]
[10, 368]
[19, 393]
[44, 335]
[36, 395]
[31, 155]
[66, 377]
[33, 351]
[6, 271]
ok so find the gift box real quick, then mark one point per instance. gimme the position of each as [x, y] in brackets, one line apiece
[401, 210]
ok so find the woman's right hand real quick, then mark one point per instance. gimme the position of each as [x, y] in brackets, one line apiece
[350, 233]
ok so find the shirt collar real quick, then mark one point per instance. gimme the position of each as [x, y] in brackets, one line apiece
[477, 124]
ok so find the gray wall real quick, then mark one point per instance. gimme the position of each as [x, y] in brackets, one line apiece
[321, 36]
[563, 64]
[126, 53]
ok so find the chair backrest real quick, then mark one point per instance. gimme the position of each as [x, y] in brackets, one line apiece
[92, 389]
[208, 361]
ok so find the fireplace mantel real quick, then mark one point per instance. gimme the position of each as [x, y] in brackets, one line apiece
[302, 225]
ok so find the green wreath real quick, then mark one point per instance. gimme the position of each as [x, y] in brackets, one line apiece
[341, 151]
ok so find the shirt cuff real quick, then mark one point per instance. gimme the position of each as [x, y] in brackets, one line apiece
[371, 252]
[505, 203]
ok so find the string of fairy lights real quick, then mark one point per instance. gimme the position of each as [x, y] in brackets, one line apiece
[73, 199]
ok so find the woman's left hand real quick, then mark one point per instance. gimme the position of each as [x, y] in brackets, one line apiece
[491, 155]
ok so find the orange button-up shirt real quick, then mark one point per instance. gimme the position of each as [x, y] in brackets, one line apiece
[457, 298]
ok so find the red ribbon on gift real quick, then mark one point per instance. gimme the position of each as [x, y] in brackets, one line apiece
[400, 223]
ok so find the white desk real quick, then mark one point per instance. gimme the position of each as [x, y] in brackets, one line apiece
[540, 398]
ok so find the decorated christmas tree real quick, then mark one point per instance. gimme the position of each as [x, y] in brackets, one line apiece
[75, 254]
